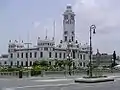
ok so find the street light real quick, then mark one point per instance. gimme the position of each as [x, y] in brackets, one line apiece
[69, 55]
[92, 27]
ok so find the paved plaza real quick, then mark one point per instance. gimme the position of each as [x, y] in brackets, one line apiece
[55, 83]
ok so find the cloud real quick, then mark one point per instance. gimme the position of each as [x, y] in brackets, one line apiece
[105, 15]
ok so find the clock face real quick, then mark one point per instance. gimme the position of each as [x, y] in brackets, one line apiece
[69, 21]
[65, 17]
[72, 17]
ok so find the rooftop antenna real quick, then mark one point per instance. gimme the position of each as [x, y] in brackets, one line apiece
[46, 34]
[19, 39]
[54, 30]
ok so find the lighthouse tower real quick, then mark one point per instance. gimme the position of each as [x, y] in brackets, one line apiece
[68, 25]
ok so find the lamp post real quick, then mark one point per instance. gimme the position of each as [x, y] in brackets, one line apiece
[92, 27]
[68, 57]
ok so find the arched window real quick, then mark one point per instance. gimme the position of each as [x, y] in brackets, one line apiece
[26, 63]
[35, 54]
[30, 63]
[11, 55]
[41, 54]
[30, 54]
[64, 55]
[11, 63]
[21, 63]
[17, 63]
[21, 55]
[50, 54]
[56, 55]
[5, 62]
[60, 55]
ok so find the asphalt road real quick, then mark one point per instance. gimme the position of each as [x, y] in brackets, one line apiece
[53, 83]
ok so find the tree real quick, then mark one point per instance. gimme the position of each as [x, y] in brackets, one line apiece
[36, 63]
[44, 63]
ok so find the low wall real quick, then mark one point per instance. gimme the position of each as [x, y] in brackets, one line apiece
[63, 73]
[14, 74]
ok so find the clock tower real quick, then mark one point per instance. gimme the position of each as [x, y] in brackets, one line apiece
[68, 25]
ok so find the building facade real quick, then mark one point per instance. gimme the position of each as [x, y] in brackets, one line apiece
[102, 59]
[20, 55]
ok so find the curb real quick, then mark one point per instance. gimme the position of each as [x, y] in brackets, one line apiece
[97, 80]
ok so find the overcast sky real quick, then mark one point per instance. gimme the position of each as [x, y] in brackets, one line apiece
[20, 17]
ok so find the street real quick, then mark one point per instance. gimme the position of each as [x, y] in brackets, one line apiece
[55, 84]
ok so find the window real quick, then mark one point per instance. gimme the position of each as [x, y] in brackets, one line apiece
[41, 54]
[65, 32]
[72, 38]
[65, 38]
[84, 64]
[11, 63]
[64, 55]
[26, 55]
[21, 55]
[11, 55]
[50, 63]
[26, 63]
[50, 54]
[55, 55]
[45, 48]
[84, 57]
[72, 17]
[17, 55]
[17, 63]
[21, 63]
[35, 54]
[74, 55]
[59, 55]
[80, 56]
[5, 62]
[80, 64]
[30, 54]
[72, 33]
[30, 63]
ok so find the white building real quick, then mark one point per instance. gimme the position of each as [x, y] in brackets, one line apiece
[46, 49]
